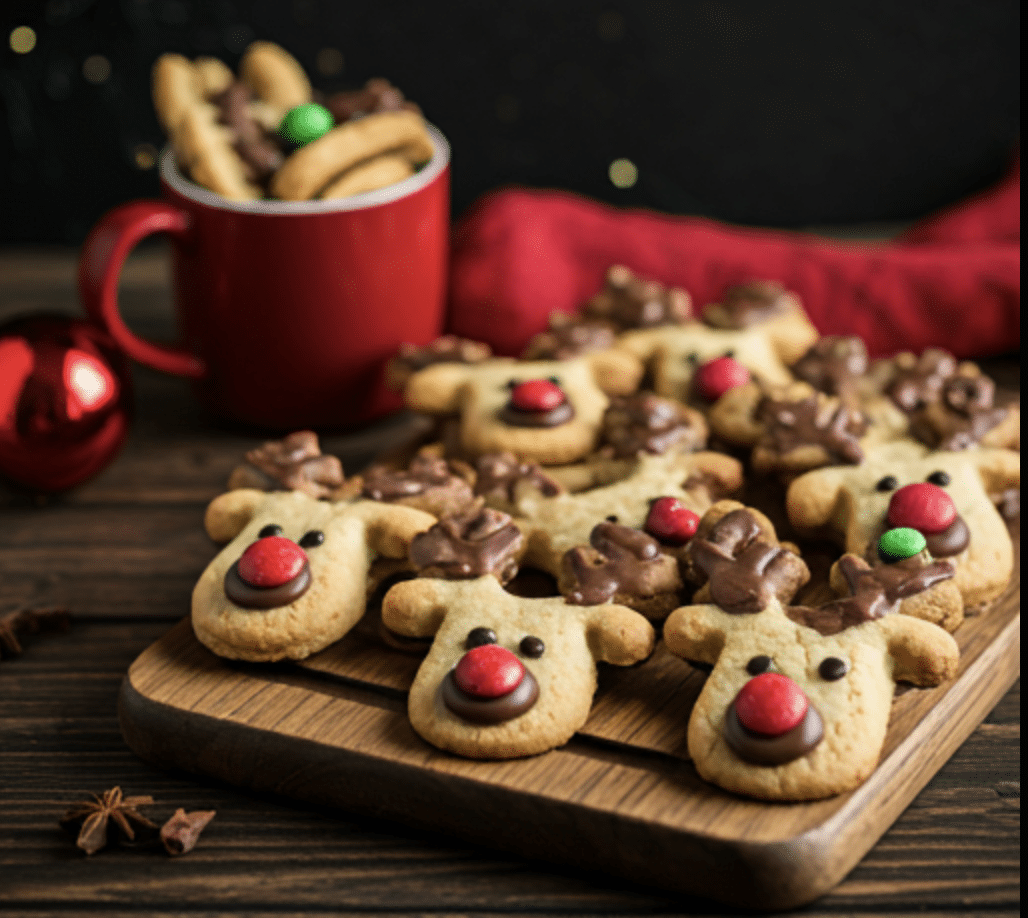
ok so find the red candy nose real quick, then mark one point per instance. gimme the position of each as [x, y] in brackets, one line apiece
[271, 561]
[716, 377]
[770, 704]
[488, 671]
[669, 522]
[537, 395]
[923, 506]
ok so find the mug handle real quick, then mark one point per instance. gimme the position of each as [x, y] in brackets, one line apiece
[103, 255]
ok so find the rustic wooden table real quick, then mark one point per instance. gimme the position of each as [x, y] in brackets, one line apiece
[122, 553]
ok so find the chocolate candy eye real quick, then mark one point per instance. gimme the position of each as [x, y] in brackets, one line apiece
[312, 539]
[272, 529]
[759, 664]
[939, 478]
[554, 379]
[832, 668]
[888, 483]
[612, 518]
[729, 353]
[512, 383]
[692, 358]
[532, 647]
[479, 636]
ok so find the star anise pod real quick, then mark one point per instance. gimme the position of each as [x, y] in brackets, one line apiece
[109, 811]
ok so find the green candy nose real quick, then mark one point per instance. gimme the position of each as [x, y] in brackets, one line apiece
[305, 123]
[900, 543]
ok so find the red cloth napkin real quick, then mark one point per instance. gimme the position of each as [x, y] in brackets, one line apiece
[952, 281]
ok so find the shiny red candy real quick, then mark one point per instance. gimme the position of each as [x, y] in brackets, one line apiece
[270, 562]
[537, 395]
[716, 377]
[770, 704]
[669, 522]
[488, 671]
[923, 506]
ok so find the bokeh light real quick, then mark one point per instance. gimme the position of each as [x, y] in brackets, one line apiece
[96, 69]
[623, 173]
[22, 40]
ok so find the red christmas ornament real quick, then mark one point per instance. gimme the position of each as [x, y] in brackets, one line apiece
[670, 522]
[65, 399]
[923, 506]
[271, 561]
[770, 704]
[716, 377]
[488, 671]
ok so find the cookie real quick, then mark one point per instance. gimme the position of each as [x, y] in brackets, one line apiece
[797, 703]
[944, 495]
[274, 76]
[312, 168]
[555, 525]
[445, 349]
[294, 463]
[507, 676]
[294, 575]
[548, 412]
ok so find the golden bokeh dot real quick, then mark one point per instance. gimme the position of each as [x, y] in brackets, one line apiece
[623, 173]
[329, 61]
[145, 156]
[22, 40]
[96, 68]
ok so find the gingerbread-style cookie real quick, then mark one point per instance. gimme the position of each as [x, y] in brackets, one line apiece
[543, 411]
[294, 575]
[507, 676]
[943, 495]
[797, 704]
[555, 525]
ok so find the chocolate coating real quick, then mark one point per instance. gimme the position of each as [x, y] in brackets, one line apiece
[951, 541]
[515, 417]
[773, 750]
[251, 597]
[490, 710]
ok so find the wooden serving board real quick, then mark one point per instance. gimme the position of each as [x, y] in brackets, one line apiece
[621, 797]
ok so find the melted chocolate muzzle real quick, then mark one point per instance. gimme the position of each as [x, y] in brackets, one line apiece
[758, 749]
[951, 541]
[251, 597]
[516, 417]
[490, 710]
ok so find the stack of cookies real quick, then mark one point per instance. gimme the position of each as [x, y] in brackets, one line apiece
[808, 525]
[264, 133]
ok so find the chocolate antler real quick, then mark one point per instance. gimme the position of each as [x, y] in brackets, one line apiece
[744, 571]
[622, 560]
[294, 463]
[813, 421]
[630, 302]
[874, 592]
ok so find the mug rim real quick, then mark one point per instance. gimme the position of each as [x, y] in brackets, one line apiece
[174, 179]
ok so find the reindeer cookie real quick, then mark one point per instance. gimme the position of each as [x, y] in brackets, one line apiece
[294, 577]
[546, 411]
[797, 704]
[554, 525]
[755, 333]
[506, 676]
[943, 495]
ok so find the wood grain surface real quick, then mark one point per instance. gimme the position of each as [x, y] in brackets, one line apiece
[123, 551]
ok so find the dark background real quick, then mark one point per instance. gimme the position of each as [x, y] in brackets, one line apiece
[782, 114]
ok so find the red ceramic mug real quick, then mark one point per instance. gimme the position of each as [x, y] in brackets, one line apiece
[288, 310]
